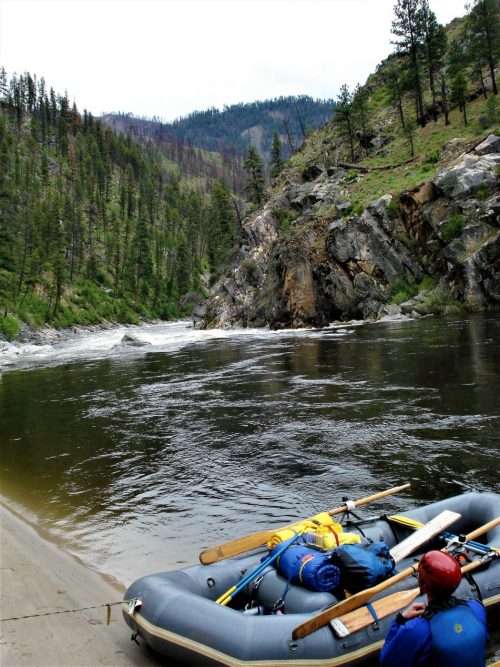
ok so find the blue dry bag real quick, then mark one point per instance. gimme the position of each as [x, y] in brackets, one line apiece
[302, 565]
[363, 565]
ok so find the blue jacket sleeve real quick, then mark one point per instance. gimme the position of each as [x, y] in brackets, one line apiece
[408, 644]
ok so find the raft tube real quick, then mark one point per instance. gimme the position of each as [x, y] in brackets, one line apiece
[178, 617]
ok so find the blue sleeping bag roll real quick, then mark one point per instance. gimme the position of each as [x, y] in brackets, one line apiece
[302, 565]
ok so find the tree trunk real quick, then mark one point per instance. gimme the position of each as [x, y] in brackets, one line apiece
[288, 135]
[418, 87]
[492, 72]
[400, 109]
[444, 96]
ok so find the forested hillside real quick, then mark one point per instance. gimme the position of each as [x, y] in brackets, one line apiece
[196, 165]
[94, 226]
[231, 131]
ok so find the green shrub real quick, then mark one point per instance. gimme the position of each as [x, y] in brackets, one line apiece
[9, 327]
[434, 157]
[439, 300]
[492, 109]
[392, 209]
[358, 209]
[483, 192]
[453, 227]
[428, 283]
[170, 311]
[402, 290]
[285, 217]
[252, 271]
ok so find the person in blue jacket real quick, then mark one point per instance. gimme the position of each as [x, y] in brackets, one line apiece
[445, 631]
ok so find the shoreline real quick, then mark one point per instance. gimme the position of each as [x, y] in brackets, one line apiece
[38, 577]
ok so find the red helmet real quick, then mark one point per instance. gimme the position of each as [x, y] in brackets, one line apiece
[438, 574]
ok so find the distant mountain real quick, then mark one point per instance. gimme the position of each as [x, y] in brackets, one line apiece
[233, 129]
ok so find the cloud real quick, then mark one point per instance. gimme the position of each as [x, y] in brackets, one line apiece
[170, 57]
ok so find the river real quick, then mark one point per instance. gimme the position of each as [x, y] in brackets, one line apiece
[137, 458]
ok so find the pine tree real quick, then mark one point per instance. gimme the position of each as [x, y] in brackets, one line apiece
[361, 113]
[254, 168]
[407, 26]
[344, 116]
[276, 159]
[223, 229]
[483, 21]
[397, 88]
[435, 42]
[459, 92]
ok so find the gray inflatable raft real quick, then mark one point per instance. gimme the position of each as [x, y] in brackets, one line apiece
[178, 617]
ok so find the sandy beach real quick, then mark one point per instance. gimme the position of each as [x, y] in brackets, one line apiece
[37, 577]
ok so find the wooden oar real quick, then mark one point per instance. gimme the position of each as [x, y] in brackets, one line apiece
[254, 540]
[362, 597]
[360, 618]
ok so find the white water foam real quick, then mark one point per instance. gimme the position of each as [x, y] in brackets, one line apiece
[172, 336]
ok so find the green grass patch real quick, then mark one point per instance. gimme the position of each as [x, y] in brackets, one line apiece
[453, 227]
[392, 209]
[9, 327]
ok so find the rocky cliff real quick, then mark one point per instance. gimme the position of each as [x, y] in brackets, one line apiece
[308, 257]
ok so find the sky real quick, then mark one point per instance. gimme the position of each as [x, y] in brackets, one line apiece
[167, 58]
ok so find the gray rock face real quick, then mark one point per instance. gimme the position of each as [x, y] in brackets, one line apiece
[324, 268]
[465, 178]
[490, 145]
[363, 242]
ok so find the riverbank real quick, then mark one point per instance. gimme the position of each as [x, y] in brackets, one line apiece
[38, 577]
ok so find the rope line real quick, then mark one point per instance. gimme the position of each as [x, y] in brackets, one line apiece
[107, 605]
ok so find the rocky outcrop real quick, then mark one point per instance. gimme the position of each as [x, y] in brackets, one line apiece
[305, 261]
[472, 173]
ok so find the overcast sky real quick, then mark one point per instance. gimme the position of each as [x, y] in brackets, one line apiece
[167, 58]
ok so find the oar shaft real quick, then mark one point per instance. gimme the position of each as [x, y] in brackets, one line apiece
[369, 499]
[482, 529]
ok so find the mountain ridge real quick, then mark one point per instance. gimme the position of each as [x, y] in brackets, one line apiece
[235, 127]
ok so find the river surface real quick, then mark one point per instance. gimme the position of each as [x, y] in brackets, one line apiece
[137, 458]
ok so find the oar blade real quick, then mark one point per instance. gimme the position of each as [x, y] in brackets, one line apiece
[424, 534]
[360, 618]
[236, 547]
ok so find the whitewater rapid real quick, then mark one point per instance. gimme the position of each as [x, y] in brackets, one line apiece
[164, 337]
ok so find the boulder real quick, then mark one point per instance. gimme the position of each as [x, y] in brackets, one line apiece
[379, 207]
[466, 177]
[312, 171]
[129, 340]
[490, 145]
